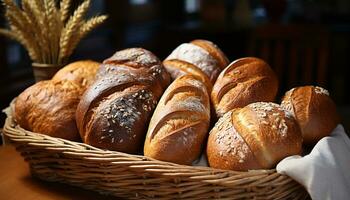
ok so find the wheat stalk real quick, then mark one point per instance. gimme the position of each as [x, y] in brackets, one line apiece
[64, 10]
[71, 28]
[48, 33]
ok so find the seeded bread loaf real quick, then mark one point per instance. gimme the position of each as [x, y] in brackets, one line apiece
[179, 125]
[244, 81]
[201, 54]
[115, 110]
[257, 136]
[314, 111]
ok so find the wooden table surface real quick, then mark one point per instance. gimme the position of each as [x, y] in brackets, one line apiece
[17, 183]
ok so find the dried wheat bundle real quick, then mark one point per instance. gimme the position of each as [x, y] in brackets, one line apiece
[47, 31]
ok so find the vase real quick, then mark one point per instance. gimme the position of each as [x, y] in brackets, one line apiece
[44, 71]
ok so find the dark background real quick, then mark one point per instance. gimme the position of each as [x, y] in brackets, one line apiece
[305, 41]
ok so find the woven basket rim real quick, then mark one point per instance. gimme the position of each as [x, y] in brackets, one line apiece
[10, 124]
[32, 145]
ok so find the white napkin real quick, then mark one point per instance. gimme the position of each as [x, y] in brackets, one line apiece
[325, 172]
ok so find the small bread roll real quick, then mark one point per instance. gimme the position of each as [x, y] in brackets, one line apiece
[179, 125]
[48, 107]
[244, 81]
[257, 136]
[202, 54]
[81, 72]
[314, 111]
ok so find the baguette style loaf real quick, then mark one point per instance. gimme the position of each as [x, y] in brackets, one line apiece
[201, 54]
[115, 110]
[244, 81]
[179, 125]
[314, 111]
[257, 136]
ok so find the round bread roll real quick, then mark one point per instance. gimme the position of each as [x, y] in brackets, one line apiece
[48, 107]
[244, 81]
[314, 111]
[202, 54]
[257, 136]
[80, 72]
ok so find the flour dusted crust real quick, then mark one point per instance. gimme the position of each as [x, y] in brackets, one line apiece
[256, 136]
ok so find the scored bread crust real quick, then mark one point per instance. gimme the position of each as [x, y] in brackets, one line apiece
[115, 109]
[257, 136]
[180, 123]
[314, 111]
[244, 81]
[177, 68]
[205, 55]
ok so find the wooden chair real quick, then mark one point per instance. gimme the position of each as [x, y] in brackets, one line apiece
[297, 53]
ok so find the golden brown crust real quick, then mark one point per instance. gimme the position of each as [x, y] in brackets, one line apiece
[115, 110]
[257, 136]
[226, 149]
[244, 81]
[177, 68]
[180, 122]
[213, 50]
[81, 72]
[205, 55]
[48, 107]
[314, 111]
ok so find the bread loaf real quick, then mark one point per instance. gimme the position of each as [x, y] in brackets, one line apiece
[115, 110]
[202, 54]
[314, 111]
[256, 136]
[48, 107]
[244, 81]
[179, 125]
[81, 73]
[177, 68]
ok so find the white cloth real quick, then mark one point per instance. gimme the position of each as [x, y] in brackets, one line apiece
[325, 172]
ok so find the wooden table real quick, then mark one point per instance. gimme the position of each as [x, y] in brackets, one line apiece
[17, 183]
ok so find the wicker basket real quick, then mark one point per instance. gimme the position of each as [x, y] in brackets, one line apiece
[139, 177]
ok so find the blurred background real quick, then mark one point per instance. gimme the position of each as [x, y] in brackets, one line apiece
[304, 41]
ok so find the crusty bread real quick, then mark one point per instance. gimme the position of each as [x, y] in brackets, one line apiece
[179, 125]
[48, 107]
[214, 51]
[177, 68]
[256, 136]
[115, 110]
[314, 111]
[203, 54]
[244, 81]
[80, 72]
